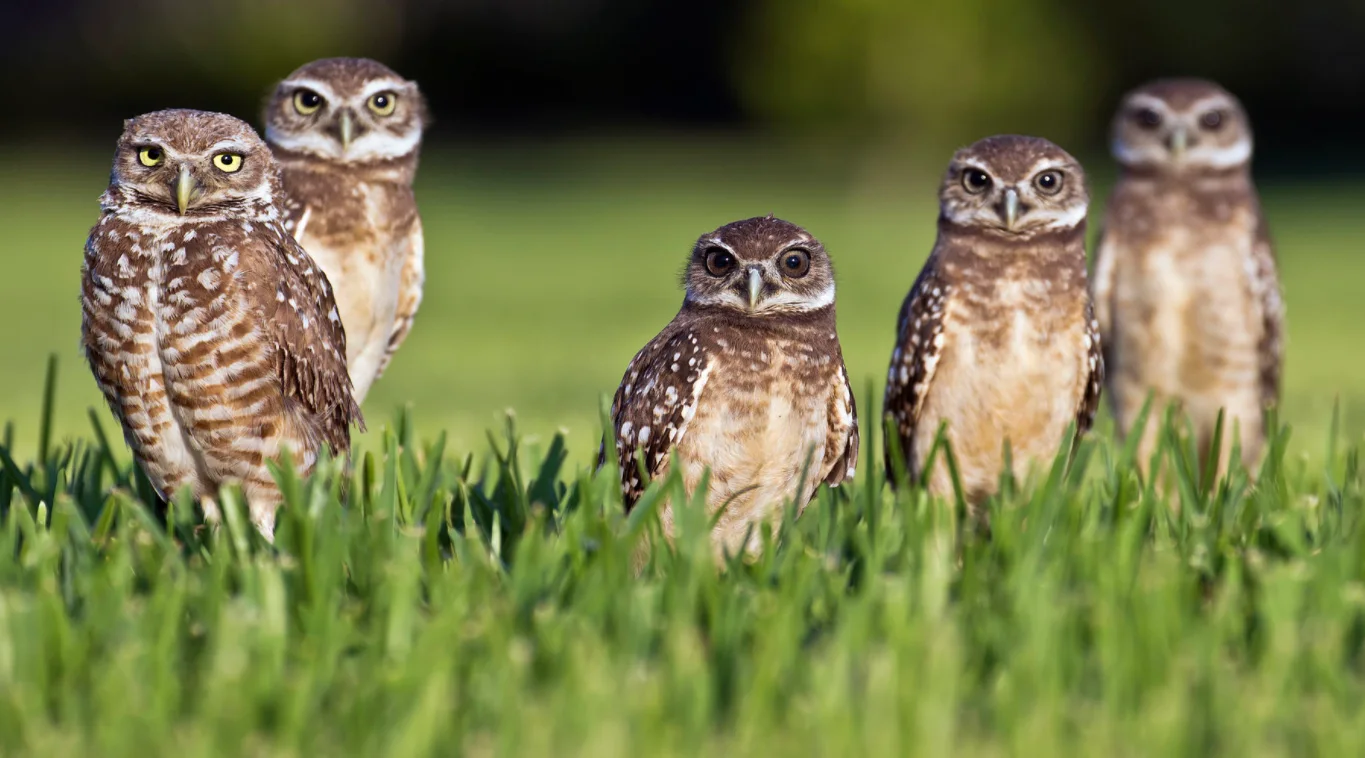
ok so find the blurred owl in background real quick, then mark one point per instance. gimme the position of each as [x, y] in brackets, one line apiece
[347, 132]
[1186, 288]
[747, 382]
[212, 334]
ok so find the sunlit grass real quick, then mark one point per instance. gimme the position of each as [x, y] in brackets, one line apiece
[430, 602]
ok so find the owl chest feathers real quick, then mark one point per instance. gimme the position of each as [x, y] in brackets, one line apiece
[176, 346]
[770, 408]
[1014, 362]
[359, 232]
[1186, 321]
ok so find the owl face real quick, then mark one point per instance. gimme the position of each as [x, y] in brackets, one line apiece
[193, 163]
[760, 266]
[350, 110]
[1181, 125]
[1015, 186]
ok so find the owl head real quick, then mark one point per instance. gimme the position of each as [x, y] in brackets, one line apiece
[759, 267]
[1014, 186]
[193, 164]
[347, 110]
[1178, 125]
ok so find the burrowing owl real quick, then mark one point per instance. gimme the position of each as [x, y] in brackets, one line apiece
[748, 380]
[347, 132]
[997, 337]
[211, 333]
[1186, 288]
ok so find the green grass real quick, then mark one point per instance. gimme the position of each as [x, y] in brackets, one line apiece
[457, 593]
[454, 605]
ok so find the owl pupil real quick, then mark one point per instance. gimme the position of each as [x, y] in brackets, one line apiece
[154, 153]
[381, 101]
[310, 99]
[1149, 118]
[1212, 120]
[1049, 180]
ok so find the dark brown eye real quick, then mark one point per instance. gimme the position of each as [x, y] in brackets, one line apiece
[975, 181]
[1147, 118]
[1049, 182]
[1212, 121]
[795, 263]
[719, 261]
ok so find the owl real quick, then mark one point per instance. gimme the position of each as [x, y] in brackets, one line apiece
[1185, 284]
[212, 334]
[747, 381]
[997, 337]
[346, 132]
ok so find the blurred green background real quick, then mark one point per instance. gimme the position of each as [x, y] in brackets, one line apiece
[581, 146]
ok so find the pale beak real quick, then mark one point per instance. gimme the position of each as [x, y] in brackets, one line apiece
[755, 286]
[1011, 207]
[347, 129]
[184, 189]
[1180, 140]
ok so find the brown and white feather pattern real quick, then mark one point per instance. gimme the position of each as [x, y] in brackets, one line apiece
[919, 341]
[1194, 304]
[997, 340]
[752, 400]
[217, 345]
[360, 223]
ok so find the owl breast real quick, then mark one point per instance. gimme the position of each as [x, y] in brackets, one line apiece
[1184, 323]
[762, 421]
[194, 381]
[359, 239]
[1014, 366]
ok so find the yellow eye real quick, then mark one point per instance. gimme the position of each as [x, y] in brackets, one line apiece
[228, 163]
[150, 156]
[383, 103]
[307, 101]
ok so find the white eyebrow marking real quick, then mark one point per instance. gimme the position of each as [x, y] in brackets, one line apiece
[228, 144]
[1149, 101]
[1210, 102]
[716, 241]
[382, 85]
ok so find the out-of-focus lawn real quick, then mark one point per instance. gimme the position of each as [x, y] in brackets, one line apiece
[548, 267]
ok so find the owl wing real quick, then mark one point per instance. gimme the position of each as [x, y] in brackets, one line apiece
[918, 346]
[1265, 290]
[842, 444]
[1102, 289]
[657, 398]
[304, 326]
[409, 293]
[1094, 363]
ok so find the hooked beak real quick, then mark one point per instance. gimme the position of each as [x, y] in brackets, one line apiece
[1011, 207]
[1180, 141]
[755, 286]
[185, 188]
[347, 129]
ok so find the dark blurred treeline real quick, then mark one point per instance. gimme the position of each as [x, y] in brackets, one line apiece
[941, 71]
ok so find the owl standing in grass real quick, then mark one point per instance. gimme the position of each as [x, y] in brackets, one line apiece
[997, 337]
[212, 334]
[1186, 287]
[347, 132]
[747, 381]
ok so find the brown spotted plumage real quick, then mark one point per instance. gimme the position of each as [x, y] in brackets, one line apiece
[211, 333]
[1186, 288]
[748, 382]
[347, 132]
[996, 338]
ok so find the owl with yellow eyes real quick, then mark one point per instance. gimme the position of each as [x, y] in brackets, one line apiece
[212, 334]
[347, 132]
